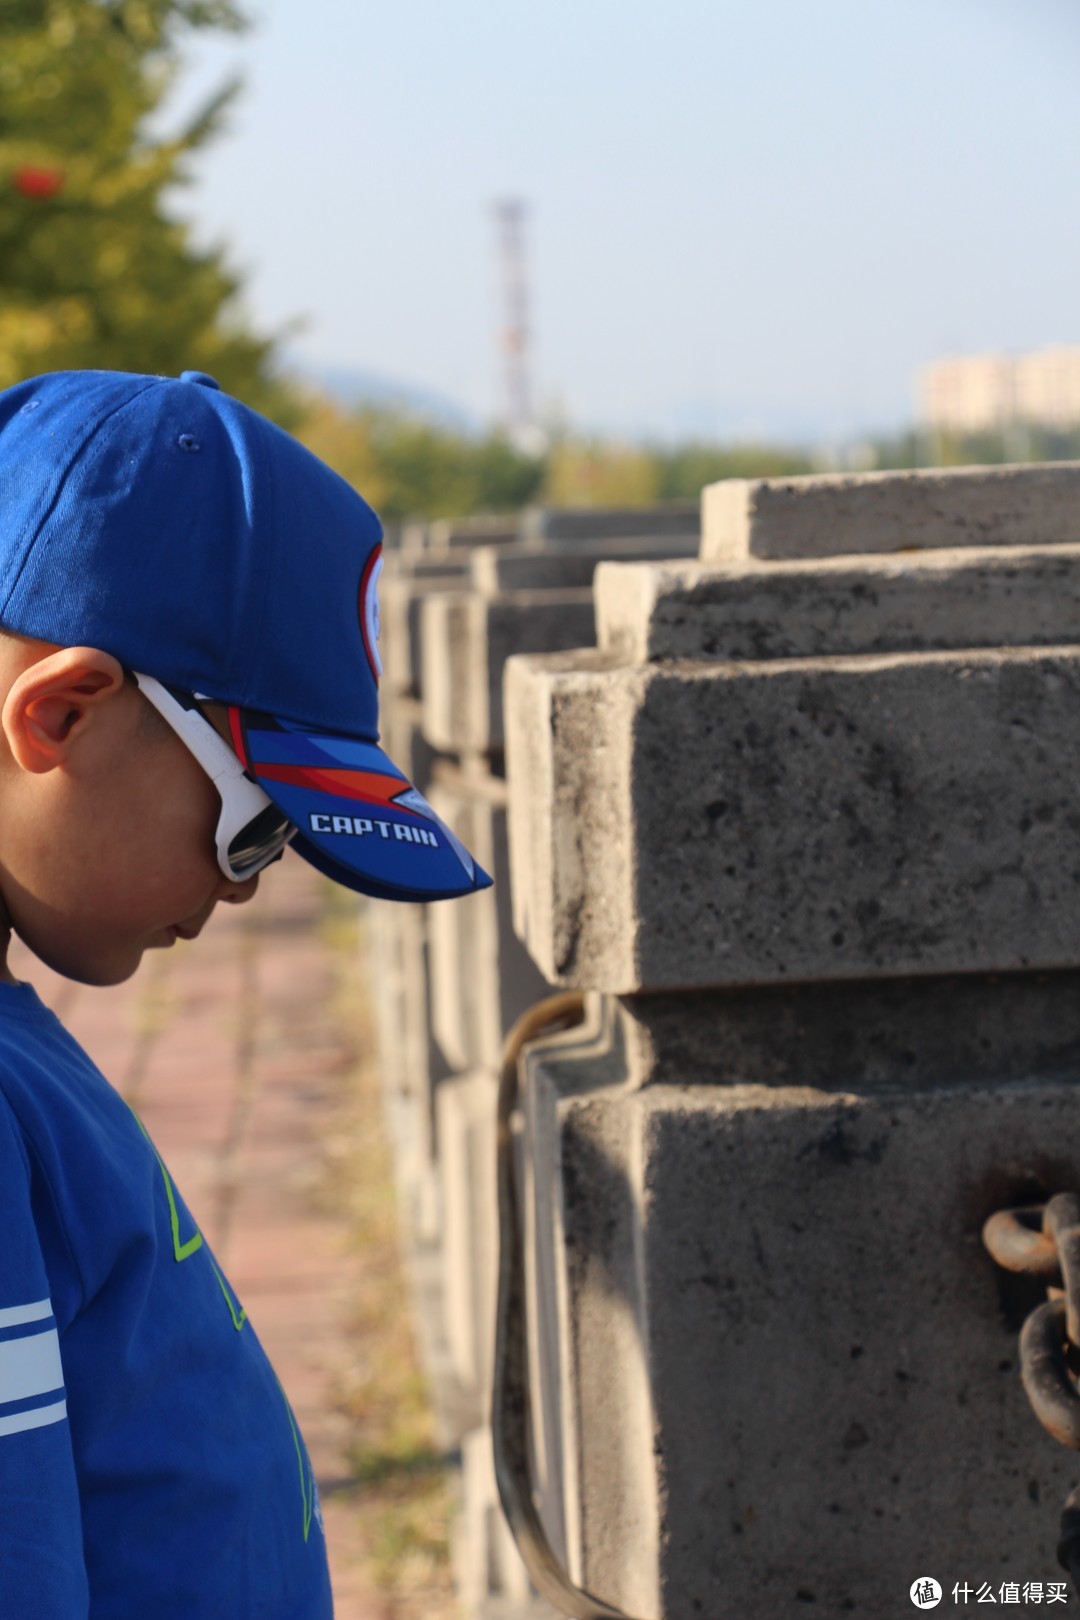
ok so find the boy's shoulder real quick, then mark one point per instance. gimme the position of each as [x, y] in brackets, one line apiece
[87, 1167]
[48, 1081]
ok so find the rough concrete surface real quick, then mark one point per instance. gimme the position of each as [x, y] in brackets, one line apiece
[868, 1035]
[541, 523]
[465, 1106]
[936, 599]
[400, 598]
[824, 514]
[411, 1061]
[445, 534]
[693, 824]
[483, 529]
[482, 977]
[570, 826]
[563, 564]
[490, 1576]
[401, 735]
[465, 642]
[584, 1228]
[777, 1323]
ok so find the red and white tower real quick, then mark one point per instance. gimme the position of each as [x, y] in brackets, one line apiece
[517, 408]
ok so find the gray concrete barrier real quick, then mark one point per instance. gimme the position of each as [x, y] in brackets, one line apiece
[566, 564]
[452, 614]
[404, 583]
[482, 976]
[827, 514]
[806, 828]
[541, 523]
[466, 640]
[454, 534]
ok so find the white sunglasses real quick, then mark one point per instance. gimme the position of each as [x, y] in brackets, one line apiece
[251, 830]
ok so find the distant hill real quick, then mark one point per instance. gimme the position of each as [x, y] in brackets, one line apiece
[354, 388]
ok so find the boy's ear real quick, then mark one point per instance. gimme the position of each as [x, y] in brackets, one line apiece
[50, 704]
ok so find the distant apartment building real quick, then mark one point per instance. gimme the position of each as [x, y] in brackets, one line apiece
[985, 392]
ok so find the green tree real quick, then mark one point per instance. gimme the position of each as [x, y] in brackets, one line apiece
[684, 470]
[94, 270]
[408, 467]
[598, 472]
[1017, 442]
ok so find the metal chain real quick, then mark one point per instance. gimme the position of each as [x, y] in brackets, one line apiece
[1043, 1240]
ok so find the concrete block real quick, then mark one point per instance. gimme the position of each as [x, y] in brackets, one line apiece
[411, 1061]
[610, 522]
[384, 951]
[782, 1369]
[800, 819]
[482, 977]
[491, 1580]
[591, 1417]
[481, 529]
[413, 538]
[464, 644]
[465, 1122]
[425, 566]
[402, 736]
[871, 1035]
[565, 564]
[456, 1410]
[400, 598]
[826, 514]
[453, 534]
[412, 1067]
[936, 599]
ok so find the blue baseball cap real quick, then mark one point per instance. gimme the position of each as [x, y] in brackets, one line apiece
[168, 524]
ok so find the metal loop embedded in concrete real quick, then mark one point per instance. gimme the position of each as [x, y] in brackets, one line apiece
[1045, 1373]
[1016, 1240]
[1062, 1225]
[510, 1394]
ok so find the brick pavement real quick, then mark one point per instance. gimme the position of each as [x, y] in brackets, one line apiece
[229, 1049]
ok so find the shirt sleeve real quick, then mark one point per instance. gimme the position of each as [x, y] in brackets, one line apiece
[42, 1568]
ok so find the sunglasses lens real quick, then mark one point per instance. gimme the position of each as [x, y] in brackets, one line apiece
[259, 842]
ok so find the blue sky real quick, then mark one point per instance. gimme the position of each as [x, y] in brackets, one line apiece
[745, 218]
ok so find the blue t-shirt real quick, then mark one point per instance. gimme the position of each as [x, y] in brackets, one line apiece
[150, 1464]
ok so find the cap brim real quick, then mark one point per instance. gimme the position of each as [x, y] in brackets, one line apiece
[359, 819]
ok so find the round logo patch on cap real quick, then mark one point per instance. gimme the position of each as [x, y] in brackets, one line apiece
[368, 608]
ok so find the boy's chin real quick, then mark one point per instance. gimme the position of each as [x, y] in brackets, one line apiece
[96, 968]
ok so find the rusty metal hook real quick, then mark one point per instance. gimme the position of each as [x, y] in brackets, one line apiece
[510, 1393]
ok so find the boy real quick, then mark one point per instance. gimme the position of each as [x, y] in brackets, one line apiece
[188, 682]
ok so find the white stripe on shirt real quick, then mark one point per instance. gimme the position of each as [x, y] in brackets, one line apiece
[16, 1315]
[37, 1418]
[30, 1366]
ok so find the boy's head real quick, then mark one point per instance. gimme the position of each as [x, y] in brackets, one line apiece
[107, 823]
[158, 526]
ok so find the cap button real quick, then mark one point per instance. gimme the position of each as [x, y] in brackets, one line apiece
[200, 377]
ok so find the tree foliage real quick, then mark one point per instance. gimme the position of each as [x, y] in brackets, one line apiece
[94, 270]
[408, 467]
[596, 472]
[1018, 442]
[683, 471]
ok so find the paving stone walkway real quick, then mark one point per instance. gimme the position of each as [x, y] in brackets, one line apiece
[229, 1049]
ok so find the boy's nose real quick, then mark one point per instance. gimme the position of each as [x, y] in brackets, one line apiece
[234, 893]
